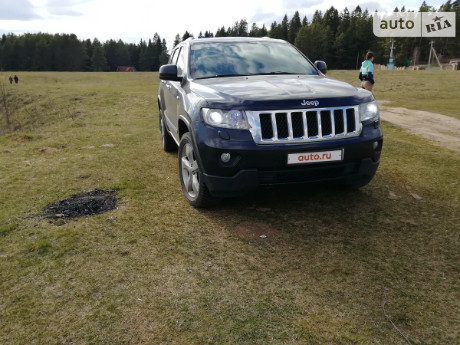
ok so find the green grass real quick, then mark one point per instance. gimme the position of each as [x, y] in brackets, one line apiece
[157, 271]
[435, 91]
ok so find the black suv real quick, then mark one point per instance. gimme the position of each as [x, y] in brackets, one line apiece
[250, 112]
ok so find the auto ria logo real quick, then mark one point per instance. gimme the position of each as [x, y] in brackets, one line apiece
[440, 25]
[414, 24]
[309, 103]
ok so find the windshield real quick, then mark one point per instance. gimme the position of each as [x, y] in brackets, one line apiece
[219, 59]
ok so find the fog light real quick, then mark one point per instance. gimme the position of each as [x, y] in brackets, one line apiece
[225, 157]
[375, 145]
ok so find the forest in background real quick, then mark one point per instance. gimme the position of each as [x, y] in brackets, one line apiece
[339, 38]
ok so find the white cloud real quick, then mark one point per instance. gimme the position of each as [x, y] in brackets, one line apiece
[17, 10]
[296, 4]
[65, 7]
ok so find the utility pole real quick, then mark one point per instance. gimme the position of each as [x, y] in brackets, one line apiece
[392, 47]
[429, 56]
[433, 52]
[391, 64]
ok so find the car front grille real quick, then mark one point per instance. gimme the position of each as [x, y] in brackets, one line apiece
[304, 125]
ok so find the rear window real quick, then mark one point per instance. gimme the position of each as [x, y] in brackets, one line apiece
[217, 59]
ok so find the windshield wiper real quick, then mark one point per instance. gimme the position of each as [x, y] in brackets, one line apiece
[277, 72]
[248, 75]
[224, 76]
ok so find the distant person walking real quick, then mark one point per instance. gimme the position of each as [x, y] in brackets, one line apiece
[10, 79]
[366, 73]
[16, 79]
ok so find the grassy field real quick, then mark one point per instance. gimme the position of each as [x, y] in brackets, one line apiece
[435, 91]
[375, 266]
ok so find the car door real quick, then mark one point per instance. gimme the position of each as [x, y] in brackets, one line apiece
[174, 91]
[170, 97]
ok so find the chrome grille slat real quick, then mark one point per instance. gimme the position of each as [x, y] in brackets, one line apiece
[314, 121]
[332, 124]
[274, 126]
[305, 124]
[320, 127]
[289, 122]
[345, 122]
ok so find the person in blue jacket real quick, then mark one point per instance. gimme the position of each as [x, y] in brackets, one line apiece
[366, 73]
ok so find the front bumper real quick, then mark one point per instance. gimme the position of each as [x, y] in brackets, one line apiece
[252, 166]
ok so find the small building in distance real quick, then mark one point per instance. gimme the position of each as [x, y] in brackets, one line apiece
[126, 69]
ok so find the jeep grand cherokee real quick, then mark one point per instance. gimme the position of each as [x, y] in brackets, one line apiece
[251, 112]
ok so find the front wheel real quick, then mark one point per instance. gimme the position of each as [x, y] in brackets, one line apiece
[193, 187]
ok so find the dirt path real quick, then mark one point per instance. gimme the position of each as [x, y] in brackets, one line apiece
[442, 130]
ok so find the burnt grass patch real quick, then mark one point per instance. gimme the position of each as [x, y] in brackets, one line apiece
[83, 204]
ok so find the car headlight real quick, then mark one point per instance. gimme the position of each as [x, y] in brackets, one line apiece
[225, 118]
[369, 111]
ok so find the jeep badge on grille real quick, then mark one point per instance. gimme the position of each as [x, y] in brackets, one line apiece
[309, 103]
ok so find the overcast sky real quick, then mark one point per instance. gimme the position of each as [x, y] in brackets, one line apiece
[134, 20]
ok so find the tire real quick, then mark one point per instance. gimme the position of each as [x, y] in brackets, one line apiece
[193, 187]
[167, 142]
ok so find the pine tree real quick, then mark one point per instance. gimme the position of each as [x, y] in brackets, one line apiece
[186, 35]
[275, 30]
[242, 28]
[284, 29]
[144, 56]
[263, 31]
[304, 21]
[294, 27]
[177, 40]
[98, 60]
[221, 32]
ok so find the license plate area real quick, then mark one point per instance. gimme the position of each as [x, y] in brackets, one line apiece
[315, 157]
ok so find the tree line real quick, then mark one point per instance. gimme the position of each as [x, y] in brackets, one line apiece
[65, 52]
[343, 38]
[339, 38]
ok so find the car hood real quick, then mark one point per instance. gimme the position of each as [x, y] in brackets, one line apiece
[286, 91]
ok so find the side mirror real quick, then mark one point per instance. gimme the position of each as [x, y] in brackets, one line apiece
[169, 72]
[321, 65]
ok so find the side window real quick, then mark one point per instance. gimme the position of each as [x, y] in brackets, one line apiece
[181, 63]
[173, 58]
